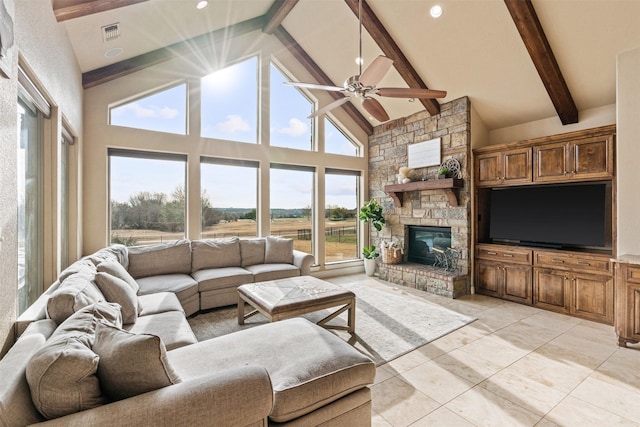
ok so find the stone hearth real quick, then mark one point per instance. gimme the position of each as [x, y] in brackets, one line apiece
[387, 154]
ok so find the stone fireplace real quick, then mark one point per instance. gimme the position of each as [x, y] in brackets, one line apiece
[446, 223]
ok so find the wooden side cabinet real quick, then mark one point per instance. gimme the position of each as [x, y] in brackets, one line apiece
[573, 283]
[628, 302]
[504, 272]
[506, 167]
[575, 160]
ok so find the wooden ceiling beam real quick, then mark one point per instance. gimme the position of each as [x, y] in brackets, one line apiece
[276, 14]
[90, 7]
[532, 33]
[309, 64]
[183, 48]
[389, 47]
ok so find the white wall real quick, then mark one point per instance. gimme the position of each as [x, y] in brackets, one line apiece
[44, 46]
[628, 169]
[595, 117]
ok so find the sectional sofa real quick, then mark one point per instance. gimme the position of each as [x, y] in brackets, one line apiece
[109, 344]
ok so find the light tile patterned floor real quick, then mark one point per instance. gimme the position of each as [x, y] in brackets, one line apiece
[515, 366]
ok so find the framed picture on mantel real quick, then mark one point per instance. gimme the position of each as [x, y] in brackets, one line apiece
[6, 41]
[423, 154]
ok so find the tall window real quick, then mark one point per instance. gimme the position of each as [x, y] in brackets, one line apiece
[289, 110]
[164, 111]
[229, 198]
[336, 142]
[292, 204]
[341, 223]
[65, 141]
[147, 192]
[30, 198]
[229, 100]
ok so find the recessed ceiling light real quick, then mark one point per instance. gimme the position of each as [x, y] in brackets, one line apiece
[436, 11]
[113, 52]
[202, 4]
[359, 61]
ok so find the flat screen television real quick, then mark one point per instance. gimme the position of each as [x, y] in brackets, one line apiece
[560, 216]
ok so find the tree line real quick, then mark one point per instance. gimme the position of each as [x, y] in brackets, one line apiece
[161, 212]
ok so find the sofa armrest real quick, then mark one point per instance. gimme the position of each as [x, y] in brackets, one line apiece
[235, 397]
[303, 261]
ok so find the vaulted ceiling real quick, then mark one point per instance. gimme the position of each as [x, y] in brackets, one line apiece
[517, 60]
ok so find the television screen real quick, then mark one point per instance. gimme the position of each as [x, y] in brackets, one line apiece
[554, 215]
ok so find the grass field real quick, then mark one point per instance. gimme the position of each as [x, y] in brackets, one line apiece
[341, 238]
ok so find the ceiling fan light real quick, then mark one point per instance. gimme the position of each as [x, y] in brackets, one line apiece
[436, 11]
[202, 4]
[359, 60]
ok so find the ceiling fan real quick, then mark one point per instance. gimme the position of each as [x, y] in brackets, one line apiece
[363, 86]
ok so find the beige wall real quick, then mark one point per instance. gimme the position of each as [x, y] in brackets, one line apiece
[44, 47]
[99, 136]
[628, 170]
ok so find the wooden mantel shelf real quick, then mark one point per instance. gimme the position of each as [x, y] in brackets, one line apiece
[451, 187]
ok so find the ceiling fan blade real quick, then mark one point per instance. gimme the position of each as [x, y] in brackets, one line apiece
[374, 108]
[314, 86]
[330, 106]
[397, 92]
[376, 71]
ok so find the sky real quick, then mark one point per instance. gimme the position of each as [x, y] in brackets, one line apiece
[229, 110]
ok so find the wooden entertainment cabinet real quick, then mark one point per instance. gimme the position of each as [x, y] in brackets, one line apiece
[578, 283]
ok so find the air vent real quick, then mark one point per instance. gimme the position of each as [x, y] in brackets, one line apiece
[111, 32]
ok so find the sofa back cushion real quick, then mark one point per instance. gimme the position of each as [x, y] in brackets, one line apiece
[118, 291]
[84, 265]
[278, 250]
[16, 406]
[114, 252]
[117, 270]
[162, 258]
[215, 253]
[252, 251]
[62, 373]
[76, 292]
[131, 364]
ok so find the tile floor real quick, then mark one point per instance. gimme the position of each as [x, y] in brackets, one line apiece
[514, 366]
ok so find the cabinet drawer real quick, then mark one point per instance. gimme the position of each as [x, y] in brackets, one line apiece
[576, 262]
[504, 254]
[633, 274]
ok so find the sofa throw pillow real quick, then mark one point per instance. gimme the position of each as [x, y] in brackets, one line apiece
[62, 373]
[131, 364]
[252, 251]
[118, 291]
[215, 253]
[278, 250]
[117, 270]
[75, 293]
[81, 266]
[162, 258]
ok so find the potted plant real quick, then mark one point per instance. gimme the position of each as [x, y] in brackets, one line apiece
[371, 212]
[443, 172]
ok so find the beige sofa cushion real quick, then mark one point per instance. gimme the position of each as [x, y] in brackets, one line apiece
[163, 258]
[265, 272]
[220, 278]
[309, 366]
[118, 291]
[171, 326]
[215, 253]
[83, 265]
[252, 251]
[76, 292]
[117, 270]
[131, 364]
[62, 374]
[278, 250]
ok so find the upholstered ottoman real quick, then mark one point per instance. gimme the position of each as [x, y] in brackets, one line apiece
[316, 376]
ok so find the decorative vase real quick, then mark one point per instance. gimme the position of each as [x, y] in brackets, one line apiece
[369, 266]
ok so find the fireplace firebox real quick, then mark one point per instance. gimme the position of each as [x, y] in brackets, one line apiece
[426, 242]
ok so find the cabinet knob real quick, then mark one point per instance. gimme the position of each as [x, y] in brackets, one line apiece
[508, 255]
[584, 263]
[558, 261]
[492, 253]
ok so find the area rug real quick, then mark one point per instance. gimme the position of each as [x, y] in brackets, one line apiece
[389, 323]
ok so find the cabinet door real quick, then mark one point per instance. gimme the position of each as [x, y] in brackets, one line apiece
[550, 290]
[488, 278]
[633, 311]
[516, 166]
[517, 283]
[488, 167]
[592, 297]
[550, 162]
[592, 158]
